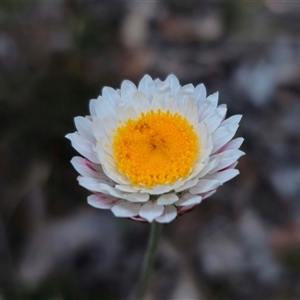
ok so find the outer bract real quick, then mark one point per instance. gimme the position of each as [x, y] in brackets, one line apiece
[153, 152]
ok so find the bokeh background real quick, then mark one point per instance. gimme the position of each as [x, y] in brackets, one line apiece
[243, 242]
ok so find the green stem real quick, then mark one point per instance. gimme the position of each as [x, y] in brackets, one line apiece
[156, 229]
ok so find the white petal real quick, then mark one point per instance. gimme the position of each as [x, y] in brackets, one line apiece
[227, 158]
[223, 135]
[90, 183]
[109, 125]
[173, 83]
[147, 86]
[93, 107]
[140, 102]
[188, 184]
[223, 176]
[127, 90]
[162, 91]
[151, 210]
[169, 214]
[83, 146]
[137, 197]
[104, 108]
[213, 162]
[111, 95]
[188, 109]
[208, 107]
[233, 120]
[101, 201]
[99, 132]
[85, 168]
[84, 127]
[186, 91]
[107, 189]
[167, 199]
[189, 199]
[125, 111]
[200, 94]
[157, 190]
[125, 209]
[213, 99]
[113, 173]
[157, 82]
[170, 103]
[214, 120]
[127, 188]
[204, 185]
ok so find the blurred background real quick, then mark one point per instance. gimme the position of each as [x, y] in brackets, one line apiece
[243, 242]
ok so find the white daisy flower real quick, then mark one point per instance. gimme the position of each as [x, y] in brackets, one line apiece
[155, 151]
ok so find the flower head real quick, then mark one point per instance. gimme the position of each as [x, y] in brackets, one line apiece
[155, 151]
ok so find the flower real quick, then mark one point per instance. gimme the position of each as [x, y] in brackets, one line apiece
[153, 152]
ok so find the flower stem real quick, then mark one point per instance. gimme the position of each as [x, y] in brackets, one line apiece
[155, 233]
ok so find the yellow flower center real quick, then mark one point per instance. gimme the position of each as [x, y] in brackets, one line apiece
[158, 148]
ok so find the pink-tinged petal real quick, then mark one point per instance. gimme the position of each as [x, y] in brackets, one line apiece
[223, 176]
[84, 127]
[184, 209]
[234, 144]
[233, 165]
[127, 90]
[169, 214]
[138, 218]
[151, 210]
[83, 146]
[227, 158]
[147, 86]
[101, 201]
[189, 199]
[206, 195]
[85, 168]
[125, 209]
[204, 185]
[167, 199]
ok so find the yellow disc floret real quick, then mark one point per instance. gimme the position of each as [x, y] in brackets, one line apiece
[158, 148]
